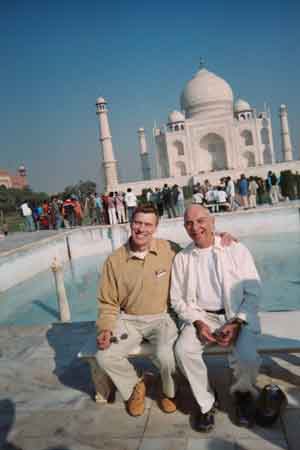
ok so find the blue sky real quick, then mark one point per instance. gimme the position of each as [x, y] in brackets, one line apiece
[57, 57]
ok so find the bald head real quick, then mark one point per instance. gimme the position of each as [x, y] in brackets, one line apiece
[194, 208]
[199, 224]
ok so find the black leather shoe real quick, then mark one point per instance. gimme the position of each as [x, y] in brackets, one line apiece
[245, 409]
[269, 404]
[204, 422]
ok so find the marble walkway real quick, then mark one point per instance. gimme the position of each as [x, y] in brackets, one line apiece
[46, 401]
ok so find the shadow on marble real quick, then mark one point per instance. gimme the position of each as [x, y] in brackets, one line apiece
[284, 366]
[65, 342]
[7, 420]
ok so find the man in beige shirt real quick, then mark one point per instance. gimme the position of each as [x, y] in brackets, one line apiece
[133, 297]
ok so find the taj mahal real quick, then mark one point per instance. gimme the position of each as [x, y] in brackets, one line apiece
[212, 136]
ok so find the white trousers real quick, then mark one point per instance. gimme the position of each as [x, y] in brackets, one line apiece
[121, 214]
[252, 200]
[244, 360]
[161, 332]
[274, 194]
[112, 216]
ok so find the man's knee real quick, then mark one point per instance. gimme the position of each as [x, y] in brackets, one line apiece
[104, 359]
[179, 350]
[165, 356]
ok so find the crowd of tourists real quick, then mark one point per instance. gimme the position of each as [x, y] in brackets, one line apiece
[117, 207]
[244, 193]
[98, 209]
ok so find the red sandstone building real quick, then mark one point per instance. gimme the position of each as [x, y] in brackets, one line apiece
[18, 181]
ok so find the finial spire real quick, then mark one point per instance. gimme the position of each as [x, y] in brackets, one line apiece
[202, 63]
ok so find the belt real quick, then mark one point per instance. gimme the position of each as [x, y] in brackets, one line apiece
[218, 311]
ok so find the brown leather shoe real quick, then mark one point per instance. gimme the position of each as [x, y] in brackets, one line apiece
[136, 402]
[168, 405]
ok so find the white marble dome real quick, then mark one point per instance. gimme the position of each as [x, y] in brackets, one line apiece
[176, 116]
[100, 100]
[241, 105]
[205, 89]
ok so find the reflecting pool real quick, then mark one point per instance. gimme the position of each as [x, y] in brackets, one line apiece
[277, 256]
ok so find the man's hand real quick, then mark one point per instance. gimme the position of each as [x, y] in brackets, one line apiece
[204, 333]
[103, 339]
[228, 334]
[227, 239]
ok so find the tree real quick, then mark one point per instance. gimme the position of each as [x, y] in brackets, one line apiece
[81, 189]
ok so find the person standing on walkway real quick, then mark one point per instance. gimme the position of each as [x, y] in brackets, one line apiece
[99, 209]
[131, 203]
[111, 207]
[179, 205]
[230, 191]
[273, 187]
[120, 207]
[253, 187]
[243, 191]
[27, 214]
[168, 201]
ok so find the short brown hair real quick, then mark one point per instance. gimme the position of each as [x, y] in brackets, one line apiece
[146, 208]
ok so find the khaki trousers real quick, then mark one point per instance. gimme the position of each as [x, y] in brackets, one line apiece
[161, 332]
[244, 360]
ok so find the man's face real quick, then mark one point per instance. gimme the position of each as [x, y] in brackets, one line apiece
[143, 227]
[199, 225]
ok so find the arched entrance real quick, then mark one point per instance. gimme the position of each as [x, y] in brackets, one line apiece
[180, 169]
[212, 153]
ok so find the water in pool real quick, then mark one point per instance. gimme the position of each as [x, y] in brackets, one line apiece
[277, 257]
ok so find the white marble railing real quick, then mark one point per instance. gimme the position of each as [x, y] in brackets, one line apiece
[26, 262]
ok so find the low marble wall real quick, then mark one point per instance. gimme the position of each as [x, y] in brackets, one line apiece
[32, 259]
[22, 264]
[241, 224]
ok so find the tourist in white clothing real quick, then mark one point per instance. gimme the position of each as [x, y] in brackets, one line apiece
[230, 191]
[131, 203]
[215, 292]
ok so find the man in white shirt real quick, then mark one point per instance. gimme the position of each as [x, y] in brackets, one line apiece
[131, 203]
[230, 191]
[27, 214]
[198, 197]
[215, 292]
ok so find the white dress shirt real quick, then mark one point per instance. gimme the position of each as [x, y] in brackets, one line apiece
[209, 287]
[237, 275]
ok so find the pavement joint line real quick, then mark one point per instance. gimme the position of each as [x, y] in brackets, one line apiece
[145, 426]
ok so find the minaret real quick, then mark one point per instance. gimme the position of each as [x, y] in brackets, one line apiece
[109, 162]
[146, 171]
[285, 134]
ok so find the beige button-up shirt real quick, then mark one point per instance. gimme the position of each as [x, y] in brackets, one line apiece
[133, 285]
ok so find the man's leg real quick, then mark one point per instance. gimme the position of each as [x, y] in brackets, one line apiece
[162, 333]
[114, 360]
[245, 362]
[188, 352]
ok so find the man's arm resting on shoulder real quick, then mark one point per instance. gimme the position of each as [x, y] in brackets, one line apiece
[226, 238]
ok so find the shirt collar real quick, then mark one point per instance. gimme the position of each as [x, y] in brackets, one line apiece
[153, 249]
[216, 245]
